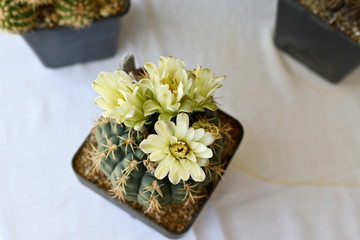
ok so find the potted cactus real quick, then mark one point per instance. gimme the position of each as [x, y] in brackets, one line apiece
[160, 146]
[65, 32]
[322, 34]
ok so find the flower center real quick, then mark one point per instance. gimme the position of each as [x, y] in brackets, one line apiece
[120, 96]
[179, 150]
[171, 84]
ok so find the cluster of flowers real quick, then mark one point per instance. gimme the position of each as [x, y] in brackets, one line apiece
[169, 90]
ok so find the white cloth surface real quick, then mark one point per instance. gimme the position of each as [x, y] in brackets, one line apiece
[295, 175]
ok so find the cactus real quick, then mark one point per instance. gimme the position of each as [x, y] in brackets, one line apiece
[121, 160]
[110, 7]
[16, 17]
[76, 13]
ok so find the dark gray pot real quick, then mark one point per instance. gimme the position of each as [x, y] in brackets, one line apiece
[62, 46]
[319, 46]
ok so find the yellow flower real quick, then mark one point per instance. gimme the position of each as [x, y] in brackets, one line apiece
[120, 98]
[179, 150]
[168, 83]
[205, 85]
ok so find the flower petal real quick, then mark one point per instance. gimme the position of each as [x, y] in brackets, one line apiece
[166, 99]
[208, 153]
[182, 125]
[174, 177]
[152, 70]
[202, 162]
[158, 140]
[186, 164]
[150, 107]
[165, 117]
[187, 106]
[197, 173]
[139, 125]
[191, 156]
[158, 155]
[175, 166]
[199, 133]
[173, 140]
[162, 170]
[169, 160]
[147, 147]
[211, 105]
[197, 147]
[189, 135]
[180, 90]
[174, 108]
[207, 139]
[184, 174]
[164, 129]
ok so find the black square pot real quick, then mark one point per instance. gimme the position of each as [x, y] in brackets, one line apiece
[238, 130]
[62, 46]
[315, 43]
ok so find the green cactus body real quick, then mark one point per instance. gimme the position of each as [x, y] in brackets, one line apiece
[131, 174]
[16, 17]
[76, 13]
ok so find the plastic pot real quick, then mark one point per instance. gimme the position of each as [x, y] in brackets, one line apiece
[237, 135]
[316, 44]
[63, 46]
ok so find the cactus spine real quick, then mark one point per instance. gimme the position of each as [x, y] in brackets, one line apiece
[16, 17]
[121, 160]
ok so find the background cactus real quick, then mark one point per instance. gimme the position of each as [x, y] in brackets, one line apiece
[121, 160]
[18, 16]
[76, 13]
[110, 7]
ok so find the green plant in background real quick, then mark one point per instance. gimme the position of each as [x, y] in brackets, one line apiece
[76, 13]
[18, 16]
[110, 7]
[159, 141]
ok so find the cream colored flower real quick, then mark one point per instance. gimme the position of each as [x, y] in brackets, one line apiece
[205, 85]
[120, 98]
[168, 83]
[179, 150]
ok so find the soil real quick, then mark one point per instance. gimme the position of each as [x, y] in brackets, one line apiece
[338, 18]
[176, 218]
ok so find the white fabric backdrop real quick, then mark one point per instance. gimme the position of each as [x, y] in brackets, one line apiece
[295, 176]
